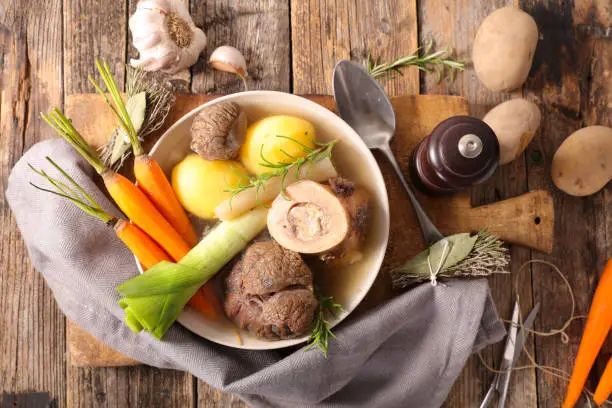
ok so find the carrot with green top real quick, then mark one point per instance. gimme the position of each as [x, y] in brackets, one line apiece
[142, 246]
[596, 330]
[154, 183]
[130, 199]
[151, 178]
[604, 388]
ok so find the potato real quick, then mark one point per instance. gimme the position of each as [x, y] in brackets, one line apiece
[264, 133]
[504, 47]
[199, 184]
[515, 122]
[583, 163]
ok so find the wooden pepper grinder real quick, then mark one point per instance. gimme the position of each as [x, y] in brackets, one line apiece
[460, 152]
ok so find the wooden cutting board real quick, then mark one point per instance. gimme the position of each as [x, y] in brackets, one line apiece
[526, 220]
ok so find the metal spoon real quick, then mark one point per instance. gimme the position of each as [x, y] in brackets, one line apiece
[362, 103]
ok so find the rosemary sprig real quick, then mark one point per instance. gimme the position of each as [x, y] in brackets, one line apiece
[283, 169]
[321, 331]
[437, 61]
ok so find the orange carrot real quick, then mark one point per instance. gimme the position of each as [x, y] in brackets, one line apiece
[130, 199]
[142, 246]
[597, 327]
[141, 211]
[152, 180]
[149, 175]
[604, 388]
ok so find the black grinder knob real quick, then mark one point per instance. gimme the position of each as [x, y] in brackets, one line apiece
[460, 152]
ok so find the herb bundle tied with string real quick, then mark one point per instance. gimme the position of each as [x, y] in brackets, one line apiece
[457, 256]
[150, 96]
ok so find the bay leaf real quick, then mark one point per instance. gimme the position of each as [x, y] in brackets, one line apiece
[459, 245]
[136, 107]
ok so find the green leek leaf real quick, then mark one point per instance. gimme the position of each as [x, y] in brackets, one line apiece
[154, 300]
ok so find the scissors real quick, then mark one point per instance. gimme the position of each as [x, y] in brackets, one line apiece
[514, 346]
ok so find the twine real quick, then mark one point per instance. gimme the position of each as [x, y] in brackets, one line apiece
[553, 371]
[433, 276]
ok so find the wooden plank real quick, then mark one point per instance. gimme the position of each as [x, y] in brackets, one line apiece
[324, 32]
[569, 77]
[454, 25]
[594, 21]
[93, 30]
[32, 342]
[138, 386]
[260, 30]
[84, 350]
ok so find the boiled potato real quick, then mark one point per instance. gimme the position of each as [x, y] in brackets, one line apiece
[261, 139]
[583, 163]
[503, 49]
[514, 122]
[199, 184]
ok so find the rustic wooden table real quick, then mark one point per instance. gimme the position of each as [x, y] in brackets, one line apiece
[48, 48]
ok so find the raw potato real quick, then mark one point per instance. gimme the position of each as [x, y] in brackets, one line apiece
[514, 122]
[199, 184]
[583, 163]
[261, 139]
[504, 47]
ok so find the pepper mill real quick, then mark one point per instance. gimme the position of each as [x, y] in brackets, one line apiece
[460, 152]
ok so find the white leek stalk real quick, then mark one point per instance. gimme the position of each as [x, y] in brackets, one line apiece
[247, 199]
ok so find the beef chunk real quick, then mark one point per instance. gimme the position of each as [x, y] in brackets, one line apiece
[269, 292]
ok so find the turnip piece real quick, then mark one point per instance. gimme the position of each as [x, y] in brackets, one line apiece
[251, 198]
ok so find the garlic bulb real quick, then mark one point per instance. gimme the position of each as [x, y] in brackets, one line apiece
[165, 36]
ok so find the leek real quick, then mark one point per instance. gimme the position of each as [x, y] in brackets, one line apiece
[154, 300]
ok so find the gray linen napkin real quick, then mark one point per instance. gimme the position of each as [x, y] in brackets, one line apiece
[405, 353]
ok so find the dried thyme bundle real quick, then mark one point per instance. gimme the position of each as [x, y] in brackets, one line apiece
[457, 256]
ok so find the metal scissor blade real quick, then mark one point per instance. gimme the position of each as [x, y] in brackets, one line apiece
[511, 339]
[522, 336]
[519, 342]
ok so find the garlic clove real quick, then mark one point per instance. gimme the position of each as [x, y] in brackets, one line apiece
[229, 59]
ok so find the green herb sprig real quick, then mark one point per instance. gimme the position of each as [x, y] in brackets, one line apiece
[282, 169]
[321, 331]
[437, 61]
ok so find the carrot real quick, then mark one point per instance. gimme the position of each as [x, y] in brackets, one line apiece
[595, 332]
[149, 175]
[142, 246]
[152, 180]
[604, 388]
[154, 183]
[141, 211]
